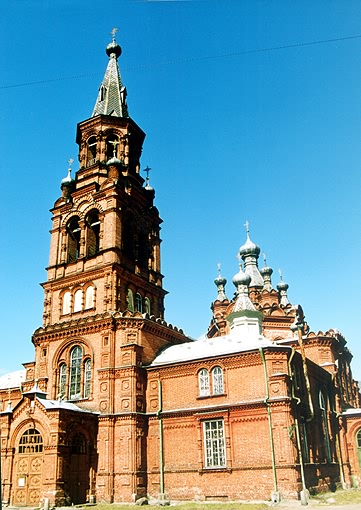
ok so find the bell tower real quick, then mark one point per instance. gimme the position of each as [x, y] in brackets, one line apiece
[105, 240]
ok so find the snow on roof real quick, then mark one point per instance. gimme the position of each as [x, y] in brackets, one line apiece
[352, 412]
[207, 348]
[61, 404]
[12, 379]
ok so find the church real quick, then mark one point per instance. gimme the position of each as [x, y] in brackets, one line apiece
[119, 405]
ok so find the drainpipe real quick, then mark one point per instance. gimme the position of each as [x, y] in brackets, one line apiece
[338, 445]
[161, 463]
[275, 494]
[304, 495]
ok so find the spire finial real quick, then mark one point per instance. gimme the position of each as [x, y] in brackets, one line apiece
[265, 259]
[247, 227]
[219, 268]
[113, 34]
[147, 185]
[281, 275]
[114, 143]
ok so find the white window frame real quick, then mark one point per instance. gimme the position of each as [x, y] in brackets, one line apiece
[203, 383]
[214, 444]
[217, 381]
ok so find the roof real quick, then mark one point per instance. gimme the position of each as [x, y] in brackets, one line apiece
[12, 379]
[61, 404]
[207, 348]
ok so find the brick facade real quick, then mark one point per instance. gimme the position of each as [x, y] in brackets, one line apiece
[118, 404]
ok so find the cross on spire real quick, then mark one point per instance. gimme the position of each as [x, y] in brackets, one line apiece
[247, 227]
[113, 33]
[114, 143]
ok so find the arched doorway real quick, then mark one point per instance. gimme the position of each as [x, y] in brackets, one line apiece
[28, 469]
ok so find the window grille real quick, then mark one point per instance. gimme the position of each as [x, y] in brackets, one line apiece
[31, 442]
[203, 381]
[214, 445]
[217, 381]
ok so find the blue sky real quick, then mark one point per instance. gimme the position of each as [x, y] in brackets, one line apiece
[252, 112]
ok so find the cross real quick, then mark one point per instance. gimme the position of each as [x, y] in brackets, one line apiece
[147, 170]
[70, 161]
[280, 273]
[114, 143]
[219, 268]
[265, 259]
[247, 227]
[113, 32]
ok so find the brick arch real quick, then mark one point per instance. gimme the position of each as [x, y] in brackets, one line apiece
[68, 344]
[26, 424]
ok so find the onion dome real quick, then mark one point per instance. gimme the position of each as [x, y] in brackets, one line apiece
[113, 50]
[114, 161]
[67, 184]
[249, 252]
[249, 248]
[241, 278]
[220, 283]
[282, 288]
[266, 273]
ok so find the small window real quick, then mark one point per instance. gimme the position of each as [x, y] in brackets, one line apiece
[78, 300]
[214, 444]
[73, 231]
[92, 150]
[78, 444]
[203, 383]
[89, 298]
[92, 234]
[217, 381]
[138, 303]
[147, 305]
[130, 300]
[62, 381]
[66, 302]
[87, 378]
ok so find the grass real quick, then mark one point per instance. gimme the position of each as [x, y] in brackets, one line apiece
[340, 497]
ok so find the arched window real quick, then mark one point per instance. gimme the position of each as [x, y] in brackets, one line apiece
[75, 372]
[78, 300]
[203, 383]
[87, 378]
[73, 231]
[31, 442]
[89, 297]
[217, 381]
[91, 150]
[130, 300]
[62, 381]
[324, 424]
[138, 303]
[112, 146]
[358, 439]
[92, 233]
[147, 305]
[66, 302]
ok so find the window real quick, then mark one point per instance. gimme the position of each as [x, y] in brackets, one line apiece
[78, 300]
[112, 146]
[92, 150]
[203, 383]
[89, 298]
[62, 380]
[92, 233]
[138, 303]
[358, 438]
[147, 305]
[78, 444]
[75, 372]
[31, 442]
[66, 303]
[304, 442]
[217, 381]
[73, 231]
[214, 445]
[87, 378]
[324, 425]
[130, 300]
